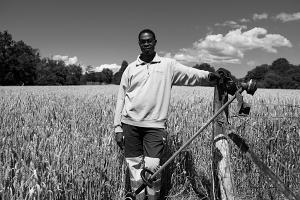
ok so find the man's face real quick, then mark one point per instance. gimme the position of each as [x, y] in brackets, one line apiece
[147, 43]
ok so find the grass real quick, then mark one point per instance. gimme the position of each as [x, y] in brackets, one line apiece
[57, 143]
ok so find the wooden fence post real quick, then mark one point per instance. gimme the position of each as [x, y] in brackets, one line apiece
[223, 187]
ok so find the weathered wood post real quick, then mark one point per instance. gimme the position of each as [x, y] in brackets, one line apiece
[223, 187]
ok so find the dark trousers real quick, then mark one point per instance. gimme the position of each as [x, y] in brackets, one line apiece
[143, 141]
[143, 148]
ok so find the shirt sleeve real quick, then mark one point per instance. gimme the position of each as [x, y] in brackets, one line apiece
[120, 102]
[184, 75]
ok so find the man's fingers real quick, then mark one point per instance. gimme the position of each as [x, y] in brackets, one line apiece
[120, 145]
[120, 140]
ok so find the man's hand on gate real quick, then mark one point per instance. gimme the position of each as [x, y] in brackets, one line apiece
[119, 137]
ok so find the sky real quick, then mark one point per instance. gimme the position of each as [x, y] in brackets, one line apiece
[235, 34]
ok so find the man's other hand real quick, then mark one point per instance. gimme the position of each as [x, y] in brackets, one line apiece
[119, 137]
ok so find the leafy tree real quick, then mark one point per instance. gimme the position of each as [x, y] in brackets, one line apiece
[51, 72]
[257, 73]
[83, 79]
[74, 73]
[6, 44]
[204, 66]
[280, 62]
[281, 65]
[99, 77]
[89, 69]
[107, 75]
[18, 61]
[117, 76]
[281, 74]
[90, 77]
[21, 64]
[123, 66]
[272, 80]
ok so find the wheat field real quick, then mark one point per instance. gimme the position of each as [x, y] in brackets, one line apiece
[57, 142]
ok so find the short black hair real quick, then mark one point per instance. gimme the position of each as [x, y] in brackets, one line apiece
[147, 31]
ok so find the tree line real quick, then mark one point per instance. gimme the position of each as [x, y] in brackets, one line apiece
[280, 74]
[20, 64]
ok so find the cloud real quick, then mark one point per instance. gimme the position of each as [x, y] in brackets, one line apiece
[251, 63]
[113, 67]
[244, 20]
[260, 16]
[231, 48]
[231, 24]
[285, 17]
[68, 60]
[166, 54]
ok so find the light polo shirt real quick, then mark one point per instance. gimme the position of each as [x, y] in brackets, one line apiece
[145, 91]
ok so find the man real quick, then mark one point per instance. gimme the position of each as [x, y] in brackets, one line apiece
[142, 107]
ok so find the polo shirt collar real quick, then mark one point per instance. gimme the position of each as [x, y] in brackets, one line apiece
[156, 59]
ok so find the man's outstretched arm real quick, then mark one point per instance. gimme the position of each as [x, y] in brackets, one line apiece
[183, 75]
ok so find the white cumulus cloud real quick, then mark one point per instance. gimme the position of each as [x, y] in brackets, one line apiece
[231, 48]
[260, 16]
[113, 67]
[285, 17]
[251, 63]
[68, 60]
[244, 20]
[231, 24]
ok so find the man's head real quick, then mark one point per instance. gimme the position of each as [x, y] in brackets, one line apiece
[147, 41]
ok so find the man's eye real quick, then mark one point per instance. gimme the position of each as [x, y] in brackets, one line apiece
[145, 41]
